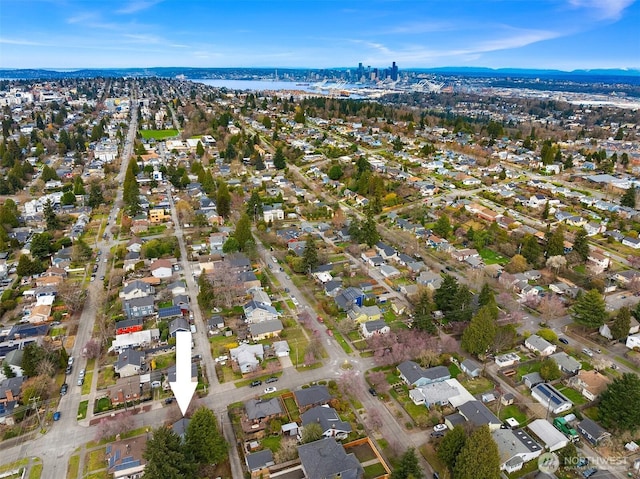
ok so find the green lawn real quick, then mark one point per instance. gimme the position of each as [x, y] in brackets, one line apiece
[82, 409]
[491, 257]
[454, 370]
[514, 412]
[272, 442]
[574, 396]
[74, 465]
[86, 385]
[374, 470]
[478, 385]
[35, 472]
[342, 342]
[102, 404]
[157, 134]
[524, 369]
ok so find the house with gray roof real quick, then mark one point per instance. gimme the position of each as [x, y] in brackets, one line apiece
[566, 363]
[329, 420]
[516, 448]
[139, 307]
[551, 398]
[539, 345]
[255, 312]
[478, 414]
[178, 324]
[370, 328]
[415, 375]
[470, 368]
[312, 396]
[592, 431]
[265, 329]
[137, 289]
[180, 427]
[532, 379]
[327, 459]
[259, 460]
[262, 409]
[248, 356]
[130, 362]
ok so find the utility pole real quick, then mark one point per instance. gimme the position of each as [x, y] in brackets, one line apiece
[35, 406]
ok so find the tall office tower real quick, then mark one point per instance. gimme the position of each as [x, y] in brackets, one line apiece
[394, 71]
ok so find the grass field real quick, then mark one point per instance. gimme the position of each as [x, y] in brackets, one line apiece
[86, 386]
[514, 412]
[574, 396]
[158, 134]
[35, 472]
[94, 461]
[74, 465]
[82, 409]
[491, 257]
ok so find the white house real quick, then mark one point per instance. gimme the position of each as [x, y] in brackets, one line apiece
[540, 345]
[273, 212]
[551, 398]
[516, 448]
[371, 328]
[633, 341]
[161, 268]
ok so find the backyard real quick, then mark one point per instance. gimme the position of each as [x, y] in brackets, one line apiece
[158, 134]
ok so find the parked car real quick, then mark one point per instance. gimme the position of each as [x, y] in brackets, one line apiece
[563, 340]
[68, 369]
[437, 433]
[168, 400]
[255, 383]
[272, 379]
[70, 360]
[56, 416]
[80, 381]
[440, 427]
[589, 472]
[588, 352]
[373, 392]
[64, 389]
[270, 389]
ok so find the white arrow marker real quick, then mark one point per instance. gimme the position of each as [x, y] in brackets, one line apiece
[183, 388]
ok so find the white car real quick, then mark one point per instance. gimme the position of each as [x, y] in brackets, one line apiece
[271, 389]
[295, 301]
[440, 427]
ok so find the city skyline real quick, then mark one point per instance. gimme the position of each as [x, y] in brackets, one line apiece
[560, 34]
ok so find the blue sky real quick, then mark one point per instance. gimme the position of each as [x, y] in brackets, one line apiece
[559, 34]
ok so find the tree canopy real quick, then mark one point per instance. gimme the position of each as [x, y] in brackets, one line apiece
[203, 440]
[408, 467]
[589, 310]
[479, 457]
[478, 337]
[618, 408]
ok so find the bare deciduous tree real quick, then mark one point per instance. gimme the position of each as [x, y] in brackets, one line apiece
[72, 295]
[551, 308]
[374, 419]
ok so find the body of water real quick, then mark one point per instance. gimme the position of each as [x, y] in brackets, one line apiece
[256, 85]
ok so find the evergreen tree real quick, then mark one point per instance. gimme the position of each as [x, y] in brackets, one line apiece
[423, 315]
[531, 249]
[451, 446]
[78, 186]
[442, 227]
[200, 149]
[131, 191]
[443, 297]
[165, 456]
[545, 211]
[621, 323]
[95, 195]
[254, 206]
[68, 198]
[49, 173]
[223, 200]
[50, 217]
[555, 243]
[618, 409]
[310, 255]
[242, 233]
[478, 337]
[408, 467]
[279, 161]
[41, 245]
[203, 440]
[370, 231]
[589, 310]
[581, 244]
[629, 197]
[461, 306]
[486, 296]
[479, 458]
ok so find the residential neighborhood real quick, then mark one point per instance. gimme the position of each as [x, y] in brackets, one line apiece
[362, 282]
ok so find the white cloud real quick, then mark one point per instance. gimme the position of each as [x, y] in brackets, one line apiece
[603, 9]
[27, 43]
[137, 6]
